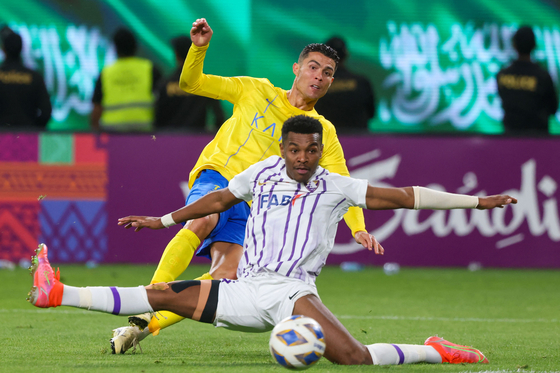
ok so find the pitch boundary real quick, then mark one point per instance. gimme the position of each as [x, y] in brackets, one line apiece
[461, 319]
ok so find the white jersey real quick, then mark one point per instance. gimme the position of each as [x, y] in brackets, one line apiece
[292, 227]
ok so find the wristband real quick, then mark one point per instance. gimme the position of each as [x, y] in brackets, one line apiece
[167, 220]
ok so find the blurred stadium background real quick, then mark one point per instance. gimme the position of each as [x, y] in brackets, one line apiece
[432, 65]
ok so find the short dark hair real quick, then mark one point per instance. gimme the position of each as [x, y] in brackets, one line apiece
[125, 42]
[524, 40]
[338, 44]
[321, 48]
[11, 43]
[302, 124]
[181, 45]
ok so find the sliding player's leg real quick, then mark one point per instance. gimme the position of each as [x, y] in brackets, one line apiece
[225, 257]
[344, 349]
[175, 259]
[192, 299]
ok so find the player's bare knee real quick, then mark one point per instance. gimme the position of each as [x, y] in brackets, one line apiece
[202, 226]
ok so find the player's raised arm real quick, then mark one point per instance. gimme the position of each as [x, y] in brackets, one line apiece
[215, 202]
[423, 198]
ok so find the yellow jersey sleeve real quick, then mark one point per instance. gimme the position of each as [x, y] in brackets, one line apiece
[194, 81]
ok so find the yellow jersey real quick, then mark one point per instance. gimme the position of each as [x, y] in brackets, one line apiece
[254, 131]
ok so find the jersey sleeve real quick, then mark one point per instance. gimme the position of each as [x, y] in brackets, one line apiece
[333, 160]
[194, 81]
[354, 190]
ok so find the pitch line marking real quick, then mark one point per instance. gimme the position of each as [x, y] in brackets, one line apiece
[420, 318]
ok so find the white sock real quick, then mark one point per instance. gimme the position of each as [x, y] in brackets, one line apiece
[115, 300]
[395, 354]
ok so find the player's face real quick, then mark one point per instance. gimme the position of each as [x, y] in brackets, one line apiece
[302, 153]
[314, 75]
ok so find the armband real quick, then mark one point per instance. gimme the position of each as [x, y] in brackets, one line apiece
[425, 198]
[167, 221]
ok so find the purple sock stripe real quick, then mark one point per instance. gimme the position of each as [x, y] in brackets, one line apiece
[116, 301]
[401, 354]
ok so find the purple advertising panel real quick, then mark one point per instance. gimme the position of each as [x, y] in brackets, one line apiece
[68, 190]
[524, 235]
[149, 176]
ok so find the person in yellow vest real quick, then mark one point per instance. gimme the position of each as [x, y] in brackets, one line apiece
[123, 97]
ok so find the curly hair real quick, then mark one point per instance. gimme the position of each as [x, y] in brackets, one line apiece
[302, 124]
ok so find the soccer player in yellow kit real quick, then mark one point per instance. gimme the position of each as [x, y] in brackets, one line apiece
[253, 133]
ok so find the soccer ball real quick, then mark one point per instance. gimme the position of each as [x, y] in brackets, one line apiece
[297, 342]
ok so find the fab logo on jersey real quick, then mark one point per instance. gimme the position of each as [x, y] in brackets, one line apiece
[270, 200]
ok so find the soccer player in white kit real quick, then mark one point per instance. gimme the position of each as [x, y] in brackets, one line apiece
[296, 206]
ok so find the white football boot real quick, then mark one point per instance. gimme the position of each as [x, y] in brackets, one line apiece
[130, 336]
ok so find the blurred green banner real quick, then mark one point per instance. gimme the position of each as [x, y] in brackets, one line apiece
[432, 63]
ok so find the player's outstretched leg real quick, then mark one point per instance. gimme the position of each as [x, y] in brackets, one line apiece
[225, 257]
[175, 259]
[47, 291]
[142, 325]
[455, 354]
[181, 297]
[343, 348]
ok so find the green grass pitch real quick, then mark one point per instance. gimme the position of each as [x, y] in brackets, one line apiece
[513, 316]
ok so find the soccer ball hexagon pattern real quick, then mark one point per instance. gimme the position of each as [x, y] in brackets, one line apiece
[297, 342]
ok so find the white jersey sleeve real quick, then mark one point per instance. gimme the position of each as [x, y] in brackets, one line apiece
[353, 189]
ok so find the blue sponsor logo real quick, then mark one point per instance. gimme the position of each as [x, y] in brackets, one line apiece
[270, 200]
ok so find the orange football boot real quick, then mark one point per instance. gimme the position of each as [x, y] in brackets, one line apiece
[455, 354]
[47, 289]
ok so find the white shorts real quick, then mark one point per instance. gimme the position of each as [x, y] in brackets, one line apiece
[256, 304]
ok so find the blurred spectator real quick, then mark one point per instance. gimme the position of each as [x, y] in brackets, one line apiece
[123, 96]
[350, 102]
[528, 94]
[177, 109]
[24, 100]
